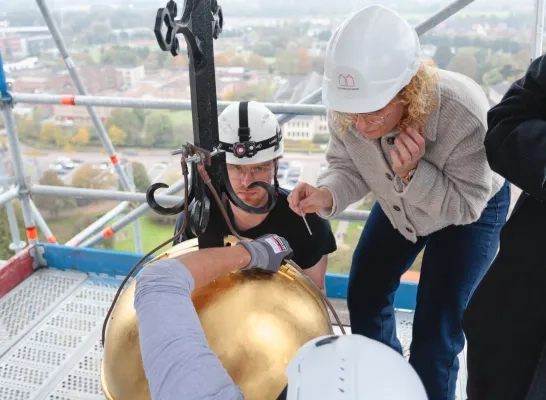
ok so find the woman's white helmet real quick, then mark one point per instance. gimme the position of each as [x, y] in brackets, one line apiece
[249, 133]
[351, 367]
[369, 59]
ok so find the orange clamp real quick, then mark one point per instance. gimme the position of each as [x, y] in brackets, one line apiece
[68, 100]
[108, 232]
[32, 233]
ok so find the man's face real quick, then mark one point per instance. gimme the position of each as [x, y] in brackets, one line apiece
[242, 176]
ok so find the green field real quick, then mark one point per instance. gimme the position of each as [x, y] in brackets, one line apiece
[181, 117]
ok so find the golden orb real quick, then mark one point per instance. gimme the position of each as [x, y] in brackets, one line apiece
[254, 321]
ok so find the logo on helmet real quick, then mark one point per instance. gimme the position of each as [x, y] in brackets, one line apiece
[346, 82]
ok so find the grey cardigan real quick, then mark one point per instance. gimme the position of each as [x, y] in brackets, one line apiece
[453, 181]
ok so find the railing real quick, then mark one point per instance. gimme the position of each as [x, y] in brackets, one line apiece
[95, 233]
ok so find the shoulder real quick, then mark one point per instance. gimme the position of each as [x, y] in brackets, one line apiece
[462, 97]
[461, 115]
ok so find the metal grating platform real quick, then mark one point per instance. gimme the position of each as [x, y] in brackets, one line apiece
[50, 336]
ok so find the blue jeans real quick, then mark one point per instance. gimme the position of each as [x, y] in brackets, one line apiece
[455, 260]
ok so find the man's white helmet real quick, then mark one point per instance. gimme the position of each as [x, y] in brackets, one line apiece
[249, 133]
[351, 367]
[369, 59]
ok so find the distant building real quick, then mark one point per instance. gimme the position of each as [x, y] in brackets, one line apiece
[13, 46]
[305, 127]
[129, 77]
[292, 89]
[96, 78]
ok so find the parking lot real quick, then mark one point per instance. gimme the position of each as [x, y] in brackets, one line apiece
[294, 167]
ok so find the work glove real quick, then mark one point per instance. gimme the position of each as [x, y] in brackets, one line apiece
[267, 252]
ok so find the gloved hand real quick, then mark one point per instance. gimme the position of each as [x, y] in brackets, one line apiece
[267, 252]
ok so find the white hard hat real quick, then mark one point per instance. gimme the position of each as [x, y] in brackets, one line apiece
[351, 367]
[369, 59]
[249, 133]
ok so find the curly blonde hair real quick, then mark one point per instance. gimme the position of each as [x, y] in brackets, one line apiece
[419, 97]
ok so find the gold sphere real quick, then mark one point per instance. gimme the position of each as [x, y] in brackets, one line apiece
[254, 321]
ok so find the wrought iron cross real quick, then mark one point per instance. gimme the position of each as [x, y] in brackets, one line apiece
[201, 21]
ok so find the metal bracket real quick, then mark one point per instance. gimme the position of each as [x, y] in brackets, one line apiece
[17, 247]
[38, 259]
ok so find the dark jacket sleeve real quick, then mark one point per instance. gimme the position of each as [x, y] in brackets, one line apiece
[516, 139]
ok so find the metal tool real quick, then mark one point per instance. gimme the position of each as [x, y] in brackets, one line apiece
[304, 220]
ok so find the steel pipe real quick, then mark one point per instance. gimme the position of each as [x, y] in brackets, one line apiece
[18, 166]
[353, 215]
[74, 74]
[129, 218]
[42, 224]
[536, 50]
[98, 194]
[162, 104]
[9, 195]
[98, 224]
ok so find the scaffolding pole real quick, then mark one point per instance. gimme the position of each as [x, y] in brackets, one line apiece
[17, 159]
[162, 104]
[103, 136]
[136, 224]
[98, 224]
[127, 219]
[422, 28]
[437, 18]
[42, 225]
[10, 194]
[538, 39]
[17, 244]
[6, 105]
[99, 194]
[310, 99]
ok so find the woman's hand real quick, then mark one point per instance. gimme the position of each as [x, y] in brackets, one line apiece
[410, 148]
[309, 199]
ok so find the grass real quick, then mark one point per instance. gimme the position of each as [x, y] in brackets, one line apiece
[182, 117]
[302, 146]
[152, 235]
[340, 261]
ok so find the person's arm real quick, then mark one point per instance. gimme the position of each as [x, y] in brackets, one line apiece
[516, 140]
[177, 360]
[341, 178]
[317, 273]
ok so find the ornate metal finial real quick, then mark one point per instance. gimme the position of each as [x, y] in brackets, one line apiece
[201, 22]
